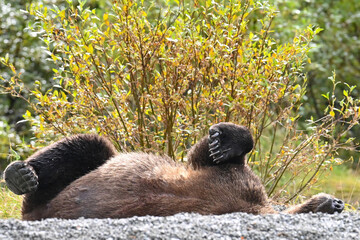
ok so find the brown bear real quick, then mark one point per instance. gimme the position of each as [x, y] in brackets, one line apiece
[84, 176]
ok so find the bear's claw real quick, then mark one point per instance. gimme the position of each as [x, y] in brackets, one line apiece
[215, 150]
[338, 205]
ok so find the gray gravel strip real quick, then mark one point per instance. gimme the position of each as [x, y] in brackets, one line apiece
[191, 226]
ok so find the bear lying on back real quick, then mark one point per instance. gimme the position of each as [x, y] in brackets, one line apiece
[83, 176]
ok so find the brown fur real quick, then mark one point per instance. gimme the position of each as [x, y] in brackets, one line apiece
[141, 184]
[82, 176]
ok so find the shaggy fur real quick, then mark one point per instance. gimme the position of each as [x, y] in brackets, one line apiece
[83, 176]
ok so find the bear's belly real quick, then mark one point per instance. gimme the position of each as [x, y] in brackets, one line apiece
[157, 187]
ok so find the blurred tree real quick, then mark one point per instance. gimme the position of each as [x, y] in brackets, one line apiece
[337, 47]
[26, 50]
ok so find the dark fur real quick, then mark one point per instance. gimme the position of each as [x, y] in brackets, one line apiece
[82, 176]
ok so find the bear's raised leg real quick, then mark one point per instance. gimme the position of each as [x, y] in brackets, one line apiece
[319, 203]
[226, 143]
[47, 172]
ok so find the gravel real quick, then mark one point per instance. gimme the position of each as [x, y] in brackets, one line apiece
[191, 226]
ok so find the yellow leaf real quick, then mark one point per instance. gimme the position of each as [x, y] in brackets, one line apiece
[12, 68]
[89, 49]
[53, 57]
[106, 16]
[28, 113]
[62, 14]
[75, 68]
[251, 35]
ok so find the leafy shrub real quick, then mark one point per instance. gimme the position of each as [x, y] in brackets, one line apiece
[23, 49]
[155, 80]
[335, 48]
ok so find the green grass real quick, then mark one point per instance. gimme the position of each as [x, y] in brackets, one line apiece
[343, 183]
[10, 204]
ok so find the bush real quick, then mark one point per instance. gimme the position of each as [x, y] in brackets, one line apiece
[23, 49]
[335, 48]
[156, 79]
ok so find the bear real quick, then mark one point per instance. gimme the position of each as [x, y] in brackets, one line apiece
[84, 176]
